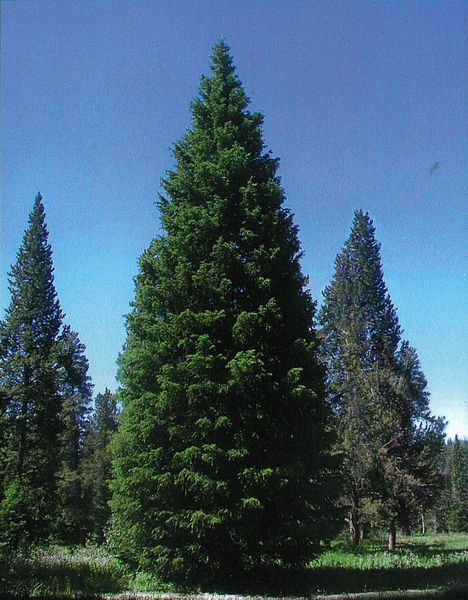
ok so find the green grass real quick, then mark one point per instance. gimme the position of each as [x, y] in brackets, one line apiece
[438, 564]
[61, 571]
[415, 551]
[417, 563]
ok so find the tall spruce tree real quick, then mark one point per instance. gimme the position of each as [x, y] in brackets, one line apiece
[29, 377]
[390, 441]
[44, 393]
[222, 457]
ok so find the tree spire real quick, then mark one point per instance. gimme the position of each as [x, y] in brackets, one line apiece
[386, 433]
[28, 355]
[42, 369]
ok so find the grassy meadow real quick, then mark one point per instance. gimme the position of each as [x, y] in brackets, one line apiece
[437, 564]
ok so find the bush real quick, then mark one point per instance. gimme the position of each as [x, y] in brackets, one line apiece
[13, 519]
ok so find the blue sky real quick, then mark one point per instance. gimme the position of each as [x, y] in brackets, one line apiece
[360, 99]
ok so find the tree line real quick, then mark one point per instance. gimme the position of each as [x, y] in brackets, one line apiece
[248, 426]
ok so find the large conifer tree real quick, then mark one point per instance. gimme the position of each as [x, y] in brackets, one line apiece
[44, 393]
[390, 441]
[221, 458]
[29, 376]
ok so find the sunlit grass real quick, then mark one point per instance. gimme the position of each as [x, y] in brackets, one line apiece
[417, 563]
[414, 551]
[430, 562]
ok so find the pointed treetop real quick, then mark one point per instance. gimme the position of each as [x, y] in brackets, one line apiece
[358, 288]
[38, 204]
[363, 226]
[222, 59]
[224, 85]
[31, 279]
[37, 225]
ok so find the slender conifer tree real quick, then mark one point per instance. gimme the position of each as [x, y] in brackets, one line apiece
[390, 441]
[29, 376]
[222, 457]
[44, 392]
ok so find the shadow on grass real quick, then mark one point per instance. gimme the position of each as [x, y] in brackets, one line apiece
[342, 580]
[22, 578]
[346, 579]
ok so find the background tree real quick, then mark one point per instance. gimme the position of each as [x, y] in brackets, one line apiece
[44, 393]
[390, 441]
[457, 515]
[221, 457]
[96, 467]
[29, 377]
[75, 390]
[410, 454]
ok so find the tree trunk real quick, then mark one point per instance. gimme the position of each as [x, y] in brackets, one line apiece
[423, 523]
[352, 528]
[362, 532]
[392, 537]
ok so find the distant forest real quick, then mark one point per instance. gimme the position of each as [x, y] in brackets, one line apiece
[249, 429]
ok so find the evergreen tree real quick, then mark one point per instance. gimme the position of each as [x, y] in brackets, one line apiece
[222, 456]
[457, 517]
[3, 437]
[75, 390]
[29, 377]
[96, 465]
[390, 441]
[418, 443]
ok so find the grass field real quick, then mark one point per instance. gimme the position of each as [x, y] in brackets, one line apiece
[438, 564]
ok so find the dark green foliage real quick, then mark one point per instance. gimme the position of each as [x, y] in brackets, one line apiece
[221, 458]
[3, 437]
[13, 518]
[457, 515]
[96, 465]
[29, 378]
[75, 390]
[44, 392]
[390, 441]
[450, 512]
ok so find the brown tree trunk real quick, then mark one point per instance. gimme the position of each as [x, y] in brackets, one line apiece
[352, 528]
[362, 532]
[392, 537]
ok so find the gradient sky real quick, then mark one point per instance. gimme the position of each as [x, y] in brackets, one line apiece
[360, 100]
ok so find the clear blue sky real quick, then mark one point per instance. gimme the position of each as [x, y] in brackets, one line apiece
[360, 99]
